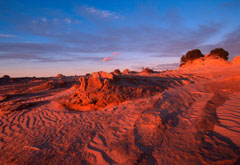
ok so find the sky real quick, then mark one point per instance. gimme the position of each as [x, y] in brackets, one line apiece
[74, 37]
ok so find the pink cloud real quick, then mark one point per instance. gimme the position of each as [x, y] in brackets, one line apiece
[107, 59]
[111, 57]
[115, 53]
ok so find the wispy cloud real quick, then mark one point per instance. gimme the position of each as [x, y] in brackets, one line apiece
[101, 13]
[107, 59]
[146, 39]
[7, 36]
[39, 52]
[115, 53]
[44, 19]
[111, 57]
[159, 67]
[230, 42]
[166, 66]
[67, 20]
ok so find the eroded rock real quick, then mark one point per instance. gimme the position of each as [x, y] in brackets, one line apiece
[102, 74]
[103, 89]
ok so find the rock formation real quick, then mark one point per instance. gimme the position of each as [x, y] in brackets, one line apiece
[102, 74]
[102, 89]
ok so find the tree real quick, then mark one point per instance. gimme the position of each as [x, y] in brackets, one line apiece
[191, 55]
[147, 70]
[219, 52]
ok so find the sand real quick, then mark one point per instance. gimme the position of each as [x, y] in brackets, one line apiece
[195, 120]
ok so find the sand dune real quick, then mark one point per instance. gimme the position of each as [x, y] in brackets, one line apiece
[193, 119]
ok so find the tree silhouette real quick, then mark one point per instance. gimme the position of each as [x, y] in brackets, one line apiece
[191, 55]
[219, 52]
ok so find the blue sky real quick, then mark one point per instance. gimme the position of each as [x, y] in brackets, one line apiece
[43, 38]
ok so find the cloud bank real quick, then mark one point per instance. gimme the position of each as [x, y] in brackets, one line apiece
[7, 36]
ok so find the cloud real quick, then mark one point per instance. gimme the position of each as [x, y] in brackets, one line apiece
[34, 21]
[230, 42]
[44, 19]
[111, 57]
[47, 59]
[31, 47]
[157, 41]
[159, 67]
[98, 12]
[142, 39]
[132, 35]
[166, 66]
[46, 52]
[145, 39]
[7, 36]
[115, 53]
[67, 20]
[107, 59]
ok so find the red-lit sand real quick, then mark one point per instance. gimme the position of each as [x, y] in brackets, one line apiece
[186, 116]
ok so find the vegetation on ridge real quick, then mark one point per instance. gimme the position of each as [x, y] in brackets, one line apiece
[196, 53]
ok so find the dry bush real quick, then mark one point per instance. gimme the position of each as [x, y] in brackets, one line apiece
[191, 55]
[219, 52]
[147, 70]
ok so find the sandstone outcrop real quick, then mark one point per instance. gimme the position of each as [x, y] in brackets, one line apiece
[102, 74]
[102, 89]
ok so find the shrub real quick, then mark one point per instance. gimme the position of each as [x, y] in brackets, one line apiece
[219, 52]
[191, 55]
[147, 70]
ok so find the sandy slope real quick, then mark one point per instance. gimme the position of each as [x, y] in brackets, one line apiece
[196, 121]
